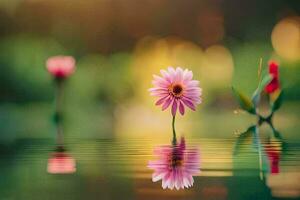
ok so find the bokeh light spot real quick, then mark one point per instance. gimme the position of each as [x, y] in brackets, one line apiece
[286, 38]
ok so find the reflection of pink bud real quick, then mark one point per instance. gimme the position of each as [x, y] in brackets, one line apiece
[61, 163]
[61, 66]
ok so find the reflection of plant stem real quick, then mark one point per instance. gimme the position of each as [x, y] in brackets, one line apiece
[259, 152]
[276, 133]
[58, 111]
[267, 119]
[174, 132]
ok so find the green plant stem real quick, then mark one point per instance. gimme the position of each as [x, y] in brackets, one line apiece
[259, 70]
[174, 132]
[267, 119]
[58, 111]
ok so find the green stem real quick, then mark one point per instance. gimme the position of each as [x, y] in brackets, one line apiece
[267, 119]
[58, 111]
[276, 133]
[174, 132]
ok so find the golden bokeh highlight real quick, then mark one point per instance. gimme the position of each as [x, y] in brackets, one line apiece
[154, 123]
[218, 66]
[286, 38]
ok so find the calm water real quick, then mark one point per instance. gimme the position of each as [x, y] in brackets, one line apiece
[117, 169]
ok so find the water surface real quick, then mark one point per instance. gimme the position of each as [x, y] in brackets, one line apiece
[117, 169]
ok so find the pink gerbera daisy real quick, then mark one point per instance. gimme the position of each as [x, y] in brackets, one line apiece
[61, 66]
[175, 87]
[176, 166]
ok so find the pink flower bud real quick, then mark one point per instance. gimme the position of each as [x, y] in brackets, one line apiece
[61, 66]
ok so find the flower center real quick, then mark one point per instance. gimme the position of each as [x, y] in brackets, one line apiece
[176, 162]
[176, 159]
[176, 90]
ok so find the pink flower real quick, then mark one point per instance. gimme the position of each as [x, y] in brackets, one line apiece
[61, 163]
[176, 88]
[61, 66]
[176, 166]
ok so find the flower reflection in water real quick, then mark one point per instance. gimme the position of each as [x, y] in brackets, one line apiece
[273, 153]
[283, 180]
[176, 165]
[283, 183]
[61, 162]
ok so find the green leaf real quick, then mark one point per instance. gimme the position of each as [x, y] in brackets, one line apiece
[255, 97]
[242, 137]
[277, 135]
[277, 103]
[265, 81]
[244, 101]
[261, 85]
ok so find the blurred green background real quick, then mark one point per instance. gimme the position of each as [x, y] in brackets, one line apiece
[119, 44]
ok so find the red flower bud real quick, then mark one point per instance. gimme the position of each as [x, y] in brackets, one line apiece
[274, 72]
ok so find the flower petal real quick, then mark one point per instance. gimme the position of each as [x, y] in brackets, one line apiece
[181, 108]
[167, 103]
[172, 73]
[161, 100]
[174, 107]
[188, 103]
[179, 75]
[165, 75]
[157, 176]
[192, 83]
[187, 75]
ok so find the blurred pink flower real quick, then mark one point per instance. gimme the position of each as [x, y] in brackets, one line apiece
[61, 163]
[176, 166]
[61, 66]
[176, 87]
